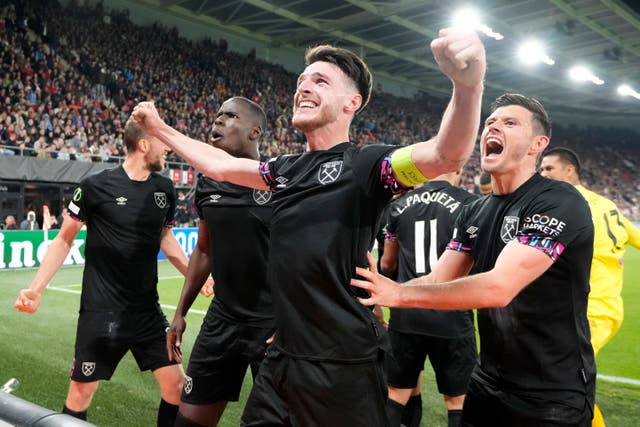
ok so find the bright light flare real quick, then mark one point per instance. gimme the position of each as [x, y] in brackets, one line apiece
[469, 19]
[626, 90]
[532, 52]
[583, 74]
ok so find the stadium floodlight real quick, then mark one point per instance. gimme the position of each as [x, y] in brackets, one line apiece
[583, 74]
[626, 90]
[468, 18]
[531, 52]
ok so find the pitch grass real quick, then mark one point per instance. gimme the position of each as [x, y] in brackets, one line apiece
[37, 349]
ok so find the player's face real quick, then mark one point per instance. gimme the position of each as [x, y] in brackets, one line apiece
[321, 91]
[232, 129]
[551, 167]
[506, 139]
[156, 154]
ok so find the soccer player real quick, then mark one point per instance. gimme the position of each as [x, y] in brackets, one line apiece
[612, 232]
[420, 226]
[233, 242]
[128, 212]
[531, 244]
[326, 364]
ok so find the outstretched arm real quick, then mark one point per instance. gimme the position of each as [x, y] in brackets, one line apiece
[212, 162]
[516, 267]
[197, 274]
[461, 57]
[29, 299]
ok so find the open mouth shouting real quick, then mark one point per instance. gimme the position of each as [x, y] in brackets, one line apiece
[492, 147]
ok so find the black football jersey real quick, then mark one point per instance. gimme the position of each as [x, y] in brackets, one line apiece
[238, 223]
[422, 222]
[124, 220]
[327, 207]
[539, 344]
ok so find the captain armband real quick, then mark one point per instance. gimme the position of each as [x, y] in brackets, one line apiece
[405, 170]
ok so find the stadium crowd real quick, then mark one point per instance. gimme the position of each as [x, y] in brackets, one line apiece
[70, 77]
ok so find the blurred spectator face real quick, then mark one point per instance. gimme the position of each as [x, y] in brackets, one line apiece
[10, 223]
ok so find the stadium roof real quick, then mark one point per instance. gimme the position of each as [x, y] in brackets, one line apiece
[394, 36]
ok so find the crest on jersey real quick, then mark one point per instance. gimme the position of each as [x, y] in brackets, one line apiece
[261, 197]
[188, 384]
[88, 368]
[329, 172]
[160, 198]
[509, 228]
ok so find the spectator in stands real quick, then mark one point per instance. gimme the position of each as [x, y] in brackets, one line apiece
[485, 183]
[183, 210]
[130, 209]
[30, 223]
[10, 223]
[63, 215]
[326, 343]
[612, 232]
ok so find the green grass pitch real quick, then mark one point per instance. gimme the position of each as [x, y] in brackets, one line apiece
[37, 349]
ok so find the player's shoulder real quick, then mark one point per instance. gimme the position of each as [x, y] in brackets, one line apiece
[595, 199]
[104, 175]
[552, 187]
[371, 150]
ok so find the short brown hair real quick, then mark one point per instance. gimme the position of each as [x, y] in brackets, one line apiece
[540, 116]
[132, 134]
[350, 64]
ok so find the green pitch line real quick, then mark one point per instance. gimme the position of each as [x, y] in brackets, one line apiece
[618, 380]
[166, 306]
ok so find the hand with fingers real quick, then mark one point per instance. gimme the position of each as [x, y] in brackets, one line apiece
[146, 116]
[28, 301]
[174, 338]
[382, 290]
[460, 55]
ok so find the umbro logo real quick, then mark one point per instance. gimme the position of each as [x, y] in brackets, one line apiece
[215, 197]
[121, 201]
[472, 231]
[282, 181]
